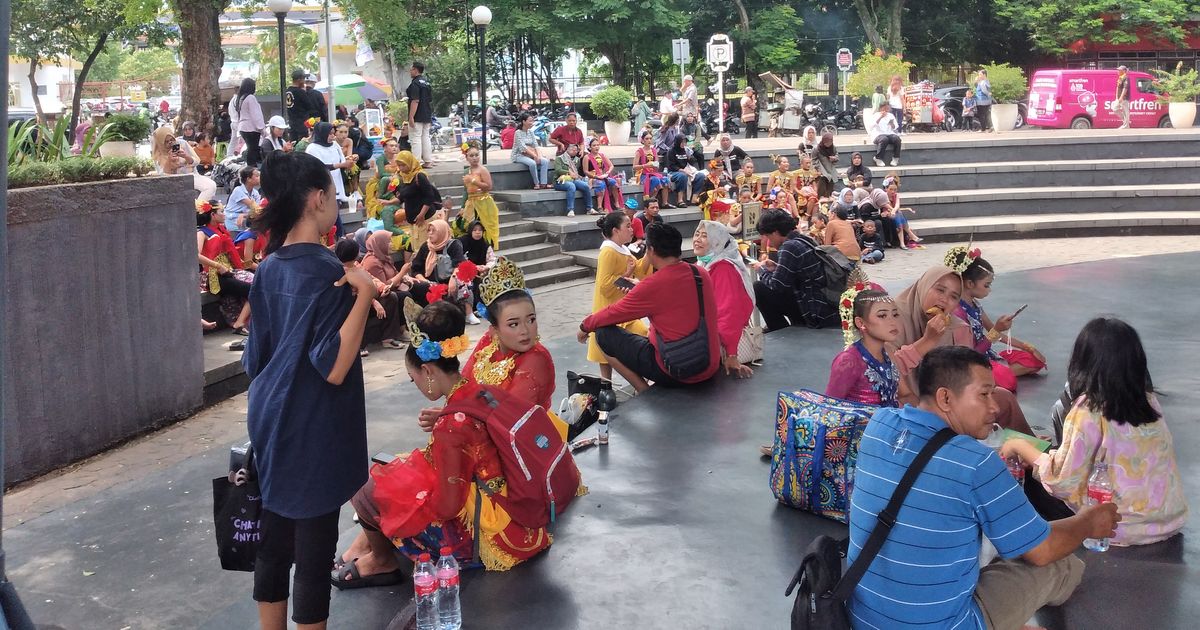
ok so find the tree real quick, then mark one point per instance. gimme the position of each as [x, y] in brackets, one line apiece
[200, 47]
[770, 44]
[881, 23]
[300, 52]
[151, 65]
[1056, 25]
[34, 36]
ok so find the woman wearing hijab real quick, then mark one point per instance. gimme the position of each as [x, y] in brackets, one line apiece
[808, 142]
[480, 253]
[416, 193]
[825, 159]
[433, 265]
[360, 237]
[733, 289]
[250, 120]
[927, 322]
[325, 149]
[856, 169]
[173, 156]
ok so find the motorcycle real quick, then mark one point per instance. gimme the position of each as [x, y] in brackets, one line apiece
[708, 116]
[541, 130]
[225, 173]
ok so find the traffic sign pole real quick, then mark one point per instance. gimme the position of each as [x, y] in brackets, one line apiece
[845, 60]
[720, 102]
[720, 57]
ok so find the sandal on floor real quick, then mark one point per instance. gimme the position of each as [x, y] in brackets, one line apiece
[364, 353]
[238, 346]
[393, 344]
[241, 330]
[766, 451]
[348, 577]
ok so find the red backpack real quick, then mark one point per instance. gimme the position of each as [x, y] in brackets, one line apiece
[539, 471]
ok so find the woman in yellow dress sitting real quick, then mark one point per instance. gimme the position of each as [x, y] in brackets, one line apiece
[617, 270]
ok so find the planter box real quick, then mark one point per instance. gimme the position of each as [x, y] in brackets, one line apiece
[1004, 116]
[1183, 115]
[617, 132]
[116, 350]
[118, 148]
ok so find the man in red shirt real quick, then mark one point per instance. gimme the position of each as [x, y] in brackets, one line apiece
[567, 134]
[672, 300]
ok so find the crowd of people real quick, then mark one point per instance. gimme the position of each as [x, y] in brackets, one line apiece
[310, 299]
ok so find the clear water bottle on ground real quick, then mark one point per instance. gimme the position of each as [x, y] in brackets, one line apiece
[1100, 490]
[449, 607]
[425, 590]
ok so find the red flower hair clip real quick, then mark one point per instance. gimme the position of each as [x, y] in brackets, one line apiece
[436, 292]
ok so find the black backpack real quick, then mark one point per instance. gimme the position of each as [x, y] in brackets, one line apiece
[821, 602]
[834, 265]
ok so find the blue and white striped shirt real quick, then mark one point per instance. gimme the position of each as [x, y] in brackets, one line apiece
[925, 574]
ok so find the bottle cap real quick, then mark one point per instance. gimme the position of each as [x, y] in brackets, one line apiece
[423, 557]
[446, 551]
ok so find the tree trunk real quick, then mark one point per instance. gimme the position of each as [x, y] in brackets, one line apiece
[615, 53]
[83, 72]
[886, 37]
[33, 88]
[200, 47]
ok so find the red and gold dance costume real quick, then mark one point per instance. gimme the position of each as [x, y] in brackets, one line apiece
[528, 375]
[462, 455]
[219, 247]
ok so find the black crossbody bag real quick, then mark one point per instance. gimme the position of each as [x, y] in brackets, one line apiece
[689, 355]
[824, 589]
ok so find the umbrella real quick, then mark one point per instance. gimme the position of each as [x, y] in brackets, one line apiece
[353, 88]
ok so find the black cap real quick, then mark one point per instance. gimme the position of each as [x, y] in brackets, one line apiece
[298, 74]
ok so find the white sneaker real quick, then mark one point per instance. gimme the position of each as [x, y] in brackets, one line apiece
[472, 319]
[895, 162]
[879, 162]
[570, 213]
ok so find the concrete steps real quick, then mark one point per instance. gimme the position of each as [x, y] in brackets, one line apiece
[550, 203]
[1058, 225]
[989, 202]
[581, 233]
[543, 262]
[1102, 172]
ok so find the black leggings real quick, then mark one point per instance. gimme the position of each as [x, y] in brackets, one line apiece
[232, 286]
[253, 150]
[310, 544]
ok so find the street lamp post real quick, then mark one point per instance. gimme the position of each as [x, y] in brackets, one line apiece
[280, 8]
[482, 16]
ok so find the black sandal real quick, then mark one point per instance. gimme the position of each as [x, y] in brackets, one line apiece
[241, 330]
[347, 577]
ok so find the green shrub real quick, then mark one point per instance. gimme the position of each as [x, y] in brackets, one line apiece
[1177, 86]
[1008, 83]
[872, 69]
[76, 170]
[612, 104]
[128, 127]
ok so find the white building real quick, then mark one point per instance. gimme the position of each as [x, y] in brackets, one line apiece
[54, 83]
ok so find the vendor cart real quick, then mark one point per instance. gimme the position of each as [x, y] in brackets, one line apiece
[785, 108]
[922, 112]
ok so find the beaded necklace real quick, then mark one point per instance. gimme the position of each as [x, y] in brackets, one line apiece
[884, 377]
[486, 371]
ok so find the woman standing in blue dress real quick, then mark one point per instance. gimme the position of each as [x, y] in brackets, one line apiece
[307, 413]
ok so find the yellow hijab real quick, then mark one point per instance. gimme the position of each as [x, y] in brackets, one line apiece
[412, 166]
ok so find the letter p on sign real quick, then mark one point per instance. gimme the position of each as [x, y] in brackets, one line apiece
[720, 52]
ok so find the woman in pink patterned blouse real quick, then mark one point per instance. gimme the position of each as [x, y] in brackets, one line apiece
[864, 372]
[1115, 416]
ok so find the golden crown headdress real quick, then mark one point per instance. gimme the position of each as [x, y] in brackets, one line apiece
[504, 277]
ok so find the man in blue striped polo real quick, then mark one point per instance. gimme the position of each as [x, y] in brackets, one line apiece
[927, 574]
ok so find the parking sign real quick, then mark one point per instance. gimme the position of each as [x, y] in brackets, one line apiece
[845, 59]
[720, 52]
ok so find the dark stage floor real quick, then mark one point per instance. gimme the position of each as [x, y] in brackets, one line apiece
[680, 529]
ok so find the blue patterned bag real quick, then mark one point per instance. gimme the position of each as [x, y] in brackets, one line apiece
[816, 446]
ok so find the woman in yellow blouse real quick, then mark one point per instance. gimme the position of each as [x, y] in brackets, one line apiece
[616, 261]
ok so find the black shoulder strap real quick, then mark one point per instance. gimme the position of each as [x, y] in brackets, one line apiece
[699, 291]
[887, 517]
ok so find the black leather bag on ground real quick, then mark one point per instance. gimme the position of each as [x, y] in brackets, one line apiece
[824, 589]
[237, 517]
[587, 386]
[689, 355]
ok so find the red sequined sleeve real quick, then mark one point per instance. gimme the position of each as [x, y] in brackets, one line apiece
[533, 377]
[451, 450]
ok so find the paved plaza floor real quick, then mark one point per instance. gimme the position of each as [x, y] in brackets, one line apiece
[124, 540]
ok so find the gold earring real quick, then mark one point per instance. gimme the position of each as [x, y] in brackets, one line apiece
[429, 384]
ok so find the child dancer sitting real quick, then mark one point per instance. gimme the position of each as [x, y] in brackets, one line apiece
[908, 238]
[863, 372]
[1115, 419]
[977, 277]
[747, 178]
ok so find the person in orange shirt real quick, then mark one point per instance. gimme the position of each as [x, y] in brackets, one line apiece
[205, 152]
[840, 234]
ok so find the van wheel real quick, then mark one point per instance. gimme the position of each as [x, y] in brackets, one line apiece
[1081, 123]
[1165, 122]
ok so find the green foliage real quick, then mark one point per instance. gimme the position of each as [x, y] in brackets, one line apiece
[31, 142]
[76, 170]
[1054, 25]
[612, 103]
[770, 46]
[1177, 86]
[874, 68]
[451, 74]
[398, 110]
[1008, 83]
[151, 64]
[129, 127]
[300, 52]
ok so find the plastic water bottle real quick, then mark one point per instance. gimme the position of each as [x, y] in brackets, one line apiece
[425, 591]
[1100, 490]
[449, 607]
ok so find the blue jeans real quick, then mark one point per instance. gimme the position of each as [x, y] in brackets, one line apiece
[573, 186]
[874, 255]
[679, 181]
[538, 171]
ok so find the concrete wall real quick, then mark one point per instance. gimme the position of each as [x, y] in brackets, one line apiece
[101, 318]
